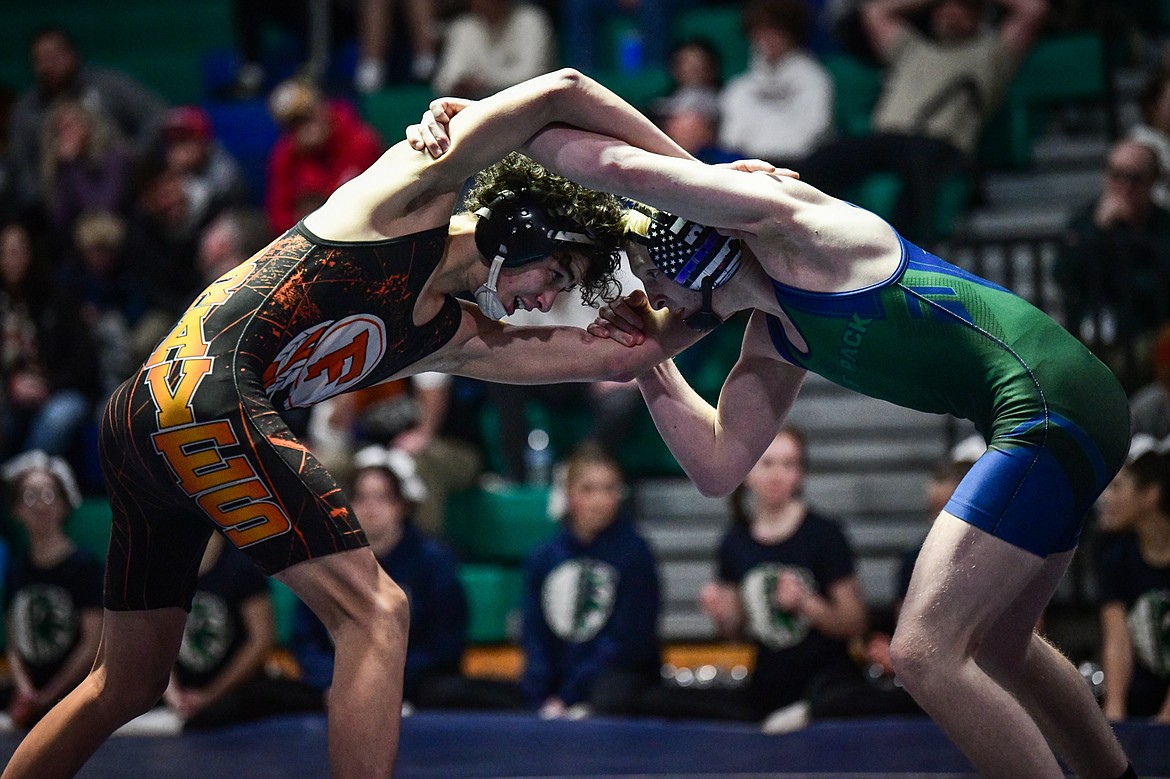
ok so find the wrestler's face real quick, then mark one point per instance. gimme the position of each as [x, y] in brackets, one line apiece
[663, 292]
[535, 286]
[776, 478]
[594, 494]
[1123, 502]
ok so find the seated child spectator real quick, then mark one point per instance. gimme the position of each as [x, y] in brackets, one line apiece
[591, 602]
[220, 678]
[384, 493]
[786, 582]
[53, 590]
[1134, 580]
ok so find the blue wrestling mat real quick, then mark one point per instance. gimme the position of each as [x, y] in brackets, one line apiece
[493, 746]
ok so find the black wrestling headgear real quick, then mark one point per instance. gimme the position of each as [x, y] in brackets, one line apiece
[516, 229]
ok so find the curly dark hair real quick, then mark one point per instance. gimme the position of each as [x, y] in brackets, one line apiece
[599, 213]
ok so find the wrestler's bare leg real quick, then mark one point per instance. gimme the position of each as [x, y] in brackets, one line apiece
[368, 617]
[967, 587]
[134, 662]
[1047, 684]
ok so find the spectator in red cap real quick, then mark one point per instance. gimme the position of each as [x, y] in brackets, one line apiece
[212, 177]
[323, 144]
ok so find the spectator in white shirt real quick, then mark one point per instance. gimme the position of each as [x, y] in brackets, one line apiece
[781, 108]
[495, 44]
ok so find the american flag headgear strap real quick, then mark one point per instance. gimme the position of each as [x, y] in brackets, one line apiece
[686, 251]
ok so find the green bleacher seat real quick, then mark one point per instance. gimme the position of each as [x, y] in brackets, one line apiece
[284, 607]
[639, 88]
[500, 524]
[494, 596]
[1060, 69]
[392, 109]
[856, 87]
[89, 526]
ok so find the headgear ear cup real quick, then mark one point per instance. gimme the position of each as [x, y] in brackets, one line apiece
[515, 229]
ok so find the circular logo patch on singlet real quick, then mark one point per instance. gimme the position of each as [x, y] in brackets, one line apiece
[327, 359]
[578, 597]
[772, 625]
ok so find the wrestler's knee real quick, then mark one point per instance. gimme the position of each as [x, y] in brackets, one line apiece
[130, 691]
[380, 615]
[917, 657]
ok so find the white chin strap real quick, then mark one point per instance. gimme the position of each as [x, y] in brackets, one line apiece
[486, 297]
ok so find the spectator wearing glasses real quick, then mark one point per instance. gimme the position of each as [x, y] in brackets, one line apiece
[1114, 266]
[54, 590]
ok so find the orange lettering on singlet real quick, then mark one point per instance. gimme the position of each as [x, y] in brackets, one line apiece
[178, 363]
[227, 488]
[223, 287]
[172, 385]
[194, 454]
[244, 513]
[333, 363]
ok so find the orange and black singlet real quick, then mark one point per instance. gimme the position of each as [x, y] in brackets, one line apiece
[194, 442]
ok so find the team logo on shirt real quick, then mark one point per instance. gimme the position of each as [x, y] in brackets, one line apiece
[328, 359]
[774, 627]
[44, 623]
[1149, 627]
[207, 635]
[578, 598]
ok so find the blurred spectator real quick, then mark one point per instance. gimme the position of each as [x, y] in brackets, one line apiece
[323, 144]
[696, 73]
[493, 45]
[786, 582]
[1134, 577]
[1150, 405]
[1154, 131]
[110, 300]
[591, 602]
[689, 114]
[212, 177]
[375, 33]
[781, 108]
[384, 492]
[693, 123]
[936, 98]
[9, 196]
[47, 358]
[232, 237]
[644, 44]
[85, 165]
[162, 237]
[59, 72]
[219, 677]
[413, 415]
[53, 590]
[1114, 266]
